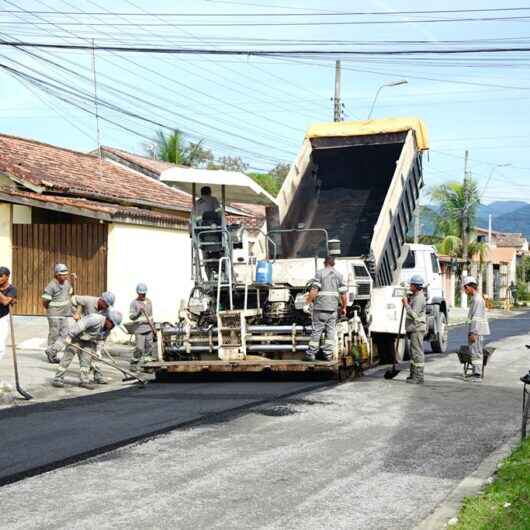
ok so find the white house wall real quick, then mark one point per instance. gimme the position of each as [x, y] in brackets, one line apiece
[6, 243]
[159, 257]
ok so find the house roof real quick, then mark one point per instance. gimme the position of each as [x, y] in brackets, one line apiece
[156, 166]
[48, 168]
[499, 255]
[510, 240]
[89, 208]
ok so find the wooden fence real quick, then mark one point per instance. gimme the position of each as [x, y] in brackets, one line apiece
[38, 247]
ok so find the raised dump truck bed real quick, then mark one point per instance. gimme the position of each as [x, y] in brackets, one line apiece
[361, 182]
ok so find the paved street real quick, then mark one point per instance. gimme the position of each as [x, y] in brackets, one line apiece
[366, 454]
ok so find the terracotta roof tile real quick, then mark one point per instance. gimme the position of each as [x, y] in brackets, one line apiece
[63, 170]
[156, 166]
[115, 211]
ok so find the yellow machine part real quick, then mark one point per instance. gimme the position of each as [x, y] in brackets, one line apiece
[369, 127]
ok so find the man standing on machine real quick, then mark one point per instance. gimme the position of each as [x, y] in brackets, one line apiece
[415, 327]
[327, 289]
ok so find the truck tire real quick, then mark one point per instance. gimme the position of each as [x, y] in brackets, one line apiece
[385, 344]
[439, 344]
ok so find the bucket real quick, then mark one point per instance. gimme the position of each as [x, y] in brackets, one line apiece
[264, 272]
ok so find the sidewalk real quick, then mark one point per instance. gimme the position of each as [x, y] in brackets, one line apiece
[36, 373]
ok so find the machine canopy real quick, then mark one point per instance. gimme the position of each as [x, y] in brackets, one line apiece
[239, 188]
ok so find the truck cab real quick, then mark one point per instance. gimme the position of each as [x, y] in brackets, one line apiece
[386, 304]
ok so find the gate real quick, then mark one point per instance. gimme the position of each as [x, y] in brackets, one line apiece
[38, 247]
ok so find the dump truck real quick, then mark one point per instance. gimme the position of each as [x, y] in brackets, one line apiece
[352, 193]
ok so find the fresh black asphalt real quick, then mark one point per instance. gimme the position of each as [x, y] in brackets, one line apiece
[41, 437]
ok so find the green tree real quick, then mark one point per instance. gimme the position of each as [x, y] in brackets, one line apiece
[173, 148]
[455, 210]
[229, 163]
[267, 181]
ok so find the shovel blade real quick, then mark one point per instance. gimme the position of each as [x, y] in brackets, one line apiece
[390, 374]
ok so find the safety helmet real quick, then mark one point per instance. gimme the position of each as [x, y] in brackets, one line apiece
[114, 316]
[417, 280]
[469, 279]
[108, 298]
[61, 268]
[141, 288]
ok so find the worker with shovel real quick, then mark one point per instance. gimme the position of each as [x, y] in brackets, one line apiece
[8, 297]
[141, 313]
[87, 305]
[81, 339]
[415, 327]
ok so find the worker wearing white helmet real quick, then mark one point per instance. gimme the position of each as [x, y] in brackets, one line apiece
[141, 313]
[86, 305]
[478, 326]
[81, 339]
[56, 299]
[415, 326]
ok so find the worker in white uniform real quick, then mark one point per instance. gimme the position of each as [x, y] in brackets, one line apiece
[478, 327]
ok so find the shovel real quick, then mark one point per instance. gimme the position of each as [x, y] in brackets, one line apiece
[390, 374]
[20, 390]
[129, 376]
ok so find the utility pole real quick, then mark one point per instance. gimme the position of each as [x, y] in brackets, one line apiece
[465, 228]
[337, 106]
[417, 224]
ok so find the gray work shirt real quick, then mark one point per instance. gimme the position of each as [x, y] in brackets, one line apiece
[58, 297]
[330, 285]
[206, 204]
[415, 320]
[477, 319]
[89, 328]
[136, 315]
[85, 304]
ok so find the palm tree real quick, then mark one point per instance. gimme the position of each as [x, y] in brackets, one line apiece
[171, 147]
[456, 211]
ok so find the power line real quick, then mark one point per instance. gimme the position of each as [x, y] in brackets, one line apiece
[319, 23]
[269, 14]
[265, 53]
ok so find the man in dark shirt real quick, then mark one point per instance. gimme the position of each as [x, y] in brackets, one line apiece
[8, 296]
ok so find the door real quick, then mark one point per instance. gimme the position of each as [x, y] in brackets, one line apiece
[38, 247]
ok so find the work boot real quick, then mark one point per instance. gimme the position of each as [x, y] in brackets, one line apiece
[99, 380]
[309, 357]
[86, 384]
[52, 358]
[476, 378]
[58, 382]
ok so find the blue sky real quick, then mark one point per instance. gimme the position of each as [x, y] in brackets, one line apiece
[259, 108]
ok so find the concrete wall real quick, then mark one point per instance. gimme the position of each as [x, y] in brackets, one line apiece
[21, 215]
[159, 257]
[6, 242]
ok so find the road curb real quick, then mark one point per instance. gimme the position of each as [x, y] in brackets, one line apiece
[469, 486]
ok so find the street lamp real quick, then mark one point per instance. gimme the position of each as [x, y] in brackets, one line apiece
[491, 175]
[393, 83]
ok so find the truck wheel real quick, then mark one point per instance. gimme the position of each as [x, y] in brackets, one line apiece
[439, 344]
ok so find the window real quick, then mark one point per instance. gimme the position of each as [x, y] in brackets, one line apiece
[435, 263]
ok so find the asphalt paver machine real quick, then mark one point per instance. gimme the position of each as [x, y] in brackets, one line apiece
[353, 187]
